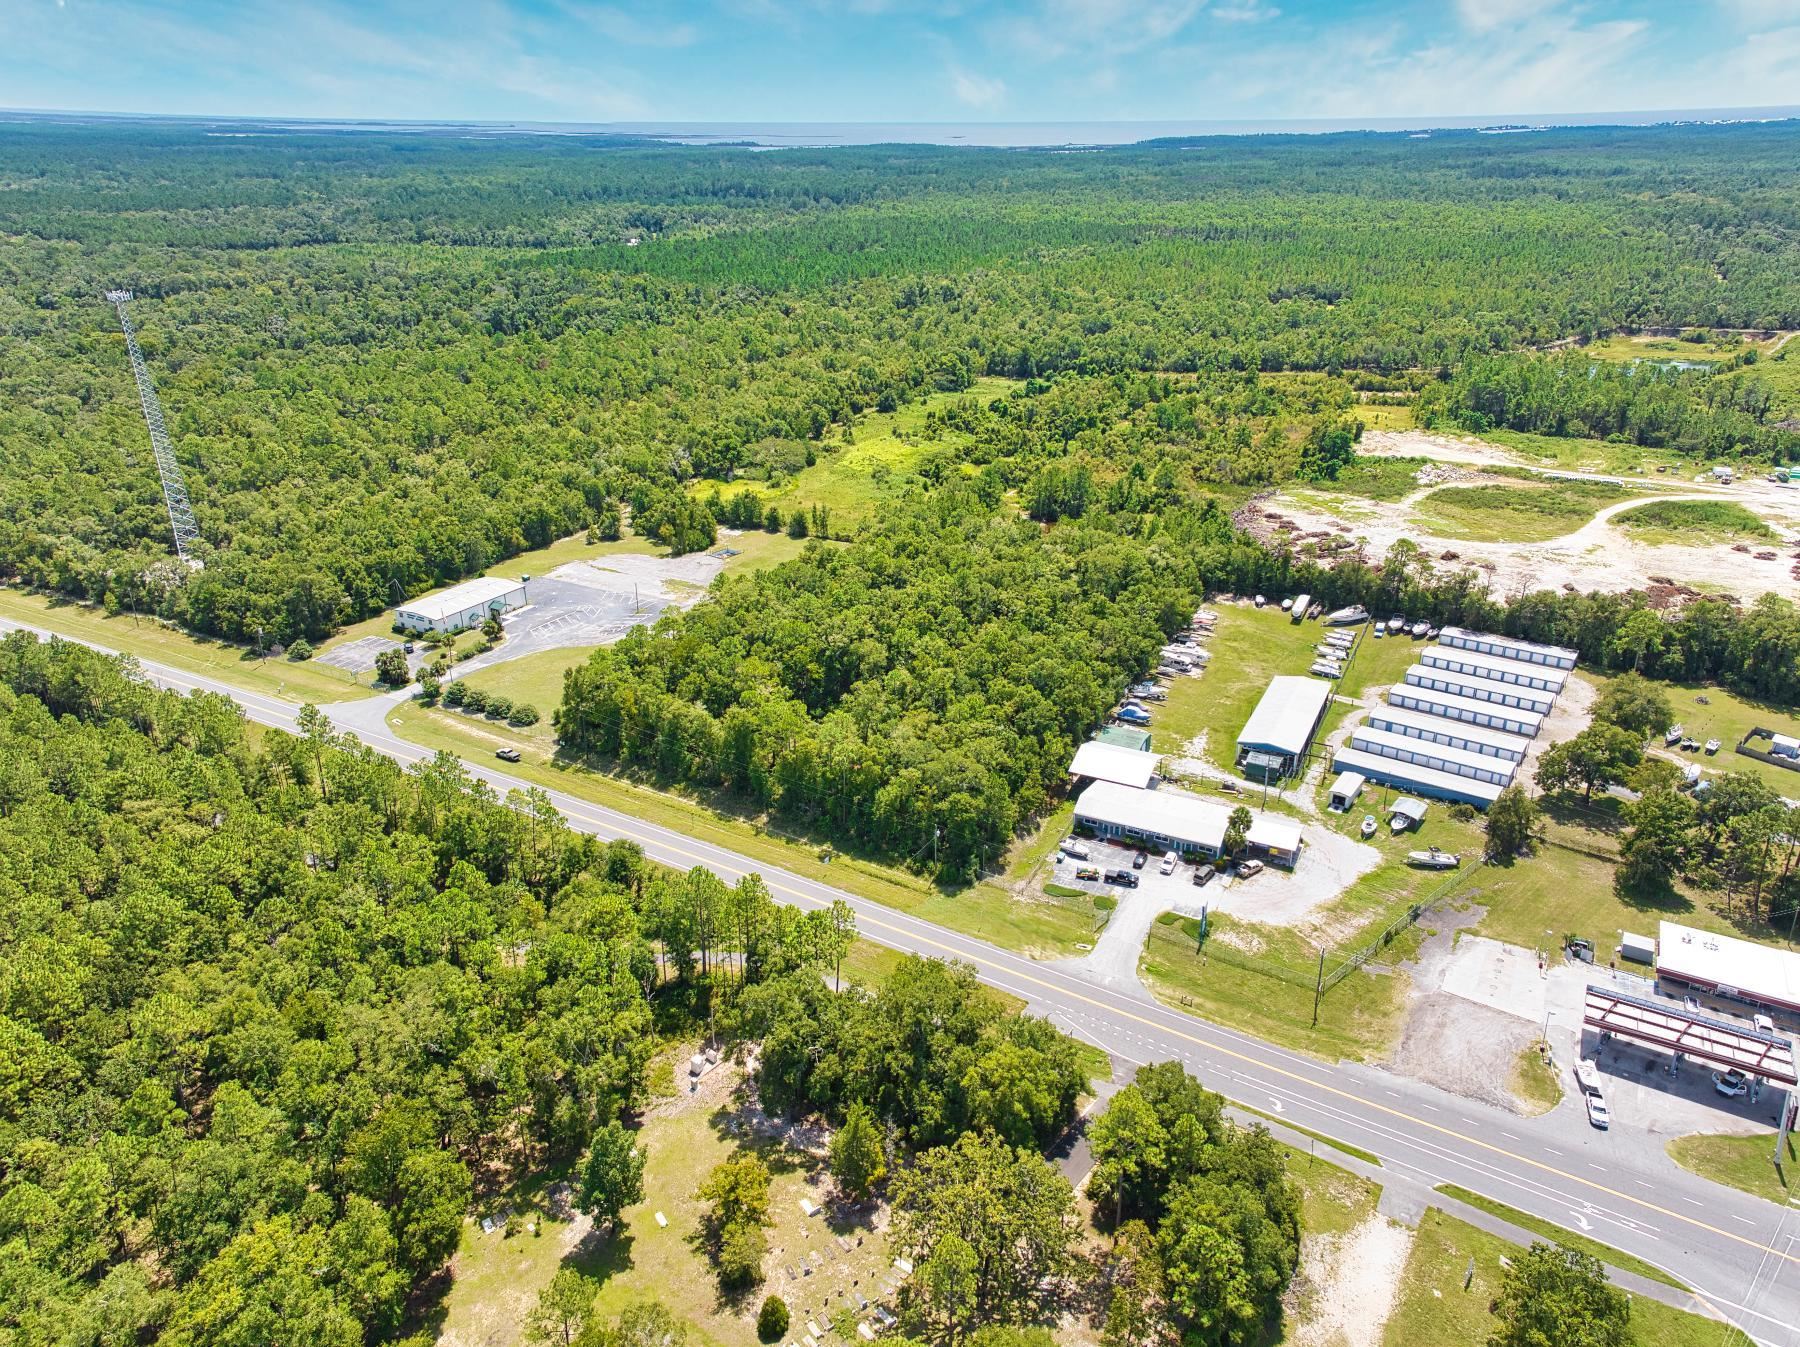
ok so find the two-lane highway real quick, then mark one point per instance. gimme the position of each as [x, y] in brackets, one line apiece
[1739, 1253]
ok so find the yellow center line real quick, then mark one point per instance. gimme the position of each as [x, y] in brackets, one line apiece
[1233, 1054]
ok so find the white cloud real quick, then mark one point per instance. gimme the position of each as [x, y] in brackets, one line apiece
[1100, 29]
[977, 91]
[1486, 15]
[1752, 13]
[619, 25]
[1244, 11]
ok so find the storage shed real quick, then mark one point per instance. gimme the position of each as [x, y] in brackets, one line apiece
[1480, 689]
[1345, 789]
[1637, 948]
[1470, 710]
[1283, 724]
[1495, 669]
[1424, 780]
[1124, 736]
[1507, 647]
[1108, 762]
[1275, 839]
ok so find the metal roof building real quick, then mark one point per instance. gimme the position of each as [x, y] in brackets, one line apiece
[1723, 965]
[1124, 736]
[1285, 720]
[1276, 837]
[1507, 647]
[1108, 762]
[1424, 753]
[1494, 668]
[1417, 777]
[1345, 789]
[1481, 689]
[1164, 818]
[1470, 710]
[1455, 734]
[466, 605]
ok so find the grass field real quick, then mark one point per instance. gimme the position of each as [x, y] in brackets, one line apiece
[1550, 1231]
[1515, 513]
[1727, 717]
[1692, 521]
[1740, 1162]
[1042, 927]
[1435, 1310]
[878, 465]
[1575, 455]
[1535, 1083]
[1248, 647]
[147, 638]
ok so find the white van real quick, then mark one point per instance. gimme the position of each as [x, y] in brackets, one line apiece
[1169, 863]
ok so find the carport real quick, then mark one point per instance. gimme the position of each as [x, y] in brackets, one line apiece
[1687, 1033]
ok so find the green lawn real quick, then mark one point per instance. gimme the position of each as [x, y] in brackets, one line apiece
[1520, 512]
[1550, 1231]
[1692, 521]
[1740, 1162]
[1435, 1310]
[1040, 926]
[1249, 646]
[1726, 716]
[1367, 1157]
[147, 638]
[1535, 1083]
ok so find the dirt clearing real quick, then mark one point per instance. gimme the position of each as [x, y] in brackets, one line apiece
[1351, 1281]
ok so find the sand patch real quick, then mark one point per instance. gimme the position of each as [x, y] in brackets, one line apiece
[1349, 1284]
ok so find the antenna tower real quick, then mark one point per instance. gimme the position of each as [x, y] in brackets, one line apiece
[174, 488]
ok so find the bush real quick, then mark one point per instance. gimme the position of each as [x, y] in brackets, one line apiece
[300, 649]
[455, 694]
[474, 699]
[772, 1319]
[523, 713]
[391, 668]
[429, 690]
[742, 1247]
[499, 706]
[1462, 813]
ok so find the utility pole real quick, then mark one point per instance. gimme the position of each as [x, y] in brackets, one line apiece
[1318, 987]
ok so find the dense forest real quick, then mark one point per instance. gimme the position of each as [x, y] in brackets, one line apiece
[390, 360]
[274, 1005]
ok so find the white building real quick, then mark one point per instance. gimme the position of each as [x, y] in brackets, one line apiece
[1095, 761]
[1505, 647]
[1167, 819]
[1454, 733]
[1442, 757]
[1722, 965]
[461, 606]
[1480, 689]
[1470, 710]
[1345, 789]
[1417, 777]
[1274, 740]
[1275, 838]
[1541, 677]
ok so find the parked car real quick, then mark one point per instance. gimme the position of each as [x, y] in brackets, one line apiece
[1168, 863]
[1203, 875]
[1123, 878]
[1248, 868]
[1587, 1076]
[1076, 849]
[1088, 872]
[507, 754]
[1137, 861]
[1731, 1083]
[408, 647]
[1598, 1113]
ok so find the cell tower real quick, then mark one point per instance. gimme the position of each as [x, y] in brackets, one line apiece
[174, 488]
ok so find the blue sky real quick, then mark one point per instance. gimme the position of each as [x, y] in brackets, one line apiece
[896, 60]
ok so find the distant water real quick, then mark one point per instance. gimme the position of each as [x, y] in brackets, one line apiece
[1004, 135]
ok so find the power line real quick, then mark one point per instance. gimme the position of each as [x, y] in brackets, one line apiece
[174, 488]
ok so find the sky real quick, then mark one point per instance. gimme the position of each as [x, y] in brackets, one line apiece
[896, 60]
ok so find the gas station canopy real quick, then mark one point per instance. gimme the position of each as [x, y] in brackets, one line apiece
[1656, 1024]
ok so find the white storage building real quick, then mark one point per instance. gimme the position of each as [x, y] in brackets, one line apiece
[1507, 647]
[461, 606]
[1470, 710]
[1275, 738]
[1345, 788]
[1423, 753]
[1096, 761]
[1166, 819]
[1417, 777]
[1494, 668]
[1481, 689]
[1274, 838]
[1456, 734]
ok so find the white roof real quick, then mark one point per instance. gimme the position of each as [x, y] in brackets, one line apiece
[1413, 809]
[1348, 783]
[1169, 813]
[1285, 716]
[1511, 744]
[1272, 832]
[1507, 642]
[1431, 780]
[476, 593]
[1483, 689]
[1519, 715]
[1762, 972]
[1785, 741]
[1114, 762]
[1390, 743]
[1492, 666]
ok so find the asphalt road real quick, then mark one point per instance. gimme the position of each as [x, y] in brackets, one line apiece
[1738, 1253]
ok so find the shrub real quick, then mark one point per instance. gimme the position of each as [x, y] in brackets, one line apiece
[523, 713]
[429, 690]
[772, 1319]
[391, 668]
[299, 650]
[455, 694]
[498, 706]
[475, 700]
